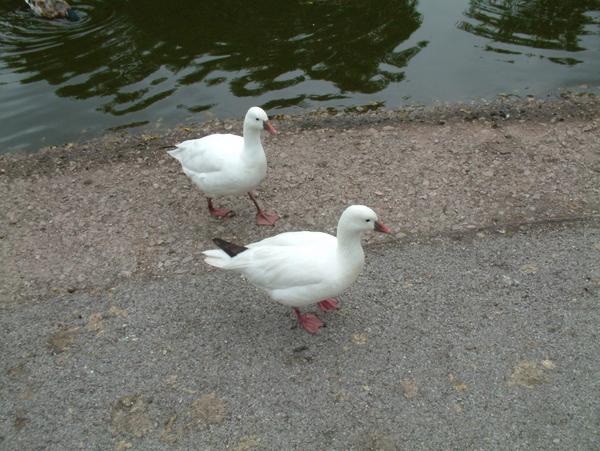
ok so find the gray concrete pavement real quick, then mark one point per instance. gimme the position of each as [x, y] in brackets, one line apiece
[475, 341]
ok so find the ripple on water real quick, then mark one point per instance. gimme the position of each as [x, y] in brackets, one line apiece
[136, 63]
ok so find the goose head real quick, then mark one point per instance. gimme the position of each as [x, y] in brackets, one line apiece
[358, 219]
[257, 119]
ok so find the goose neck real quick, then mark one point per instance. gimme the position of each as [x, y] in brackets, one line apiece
[251, 137]
[348, 244]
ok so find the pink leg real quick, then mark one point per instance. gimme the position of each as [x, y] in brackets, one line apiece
[217, 212]
[309, 322]
[263, 218]
[328, 304]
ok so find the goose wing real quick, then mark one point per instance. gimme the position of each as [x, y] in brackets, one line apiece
[209, 154]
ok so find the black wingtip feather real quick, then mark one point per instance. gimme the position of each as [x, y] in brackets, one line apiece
[230, 249]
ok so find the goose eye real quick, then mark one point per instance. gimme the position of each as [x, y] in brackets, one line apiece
[367, 220]
[257, 119]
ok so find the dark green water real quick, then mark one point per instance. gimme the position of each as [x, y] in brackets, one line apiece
[150, 64]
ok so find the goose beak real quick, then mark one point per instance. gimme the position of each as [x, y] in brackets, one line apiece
[268, 127]
[379, 227]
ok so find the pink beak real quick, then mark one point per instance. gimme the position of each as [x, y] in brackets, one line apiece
[379, 227]
[268, 127]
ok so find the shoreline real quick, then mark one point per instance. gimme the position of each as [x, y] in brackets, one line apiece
[85, 217]
[504, 109]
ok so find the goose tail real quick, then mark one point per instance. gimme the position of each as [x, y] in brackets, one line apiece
[216, 258]
[175, 153]
[221, 258]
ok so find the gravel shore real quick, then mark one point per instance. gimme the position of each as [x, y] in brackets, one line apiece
[86, 216]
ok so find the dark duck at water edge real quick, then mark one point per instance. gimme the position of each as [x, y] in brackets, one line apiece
[53, 9]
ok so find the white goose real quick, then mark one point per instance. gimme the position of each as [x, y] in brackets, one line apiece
[223, 165]
[302, 268]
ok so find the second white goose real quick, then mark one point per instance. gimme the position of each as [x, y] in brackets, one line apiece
[302, 268]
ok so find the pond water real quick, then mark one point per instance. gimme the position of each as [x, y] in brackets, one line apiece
[150, 64]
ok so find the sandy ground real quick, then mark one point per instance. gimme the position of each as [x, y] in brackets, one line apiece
[101, 276]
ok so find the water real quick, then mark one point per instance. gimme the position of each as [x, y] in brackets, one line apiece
[150, 64]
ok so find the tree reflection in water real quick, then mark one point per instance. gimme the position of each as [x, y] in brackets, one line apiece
[542, 24]
[136, 53]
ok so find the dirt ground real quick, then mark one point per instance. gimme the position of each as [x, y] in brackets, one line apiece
[83, 217]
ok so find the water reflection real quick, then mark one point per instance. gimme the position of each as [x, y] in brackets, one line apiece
[133, 54]
[537, 24]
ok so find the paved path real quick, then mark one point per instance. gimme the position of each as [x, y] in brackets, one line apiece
[472, 341]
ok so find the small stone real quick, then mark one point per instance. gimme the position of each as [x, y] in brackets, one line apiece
[359, 339]
[509, 281]
[171, 379]
[529, 268]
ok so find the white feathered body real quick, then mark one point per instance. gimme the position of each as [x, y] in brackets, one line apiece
[221, 165]
[295, 268]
